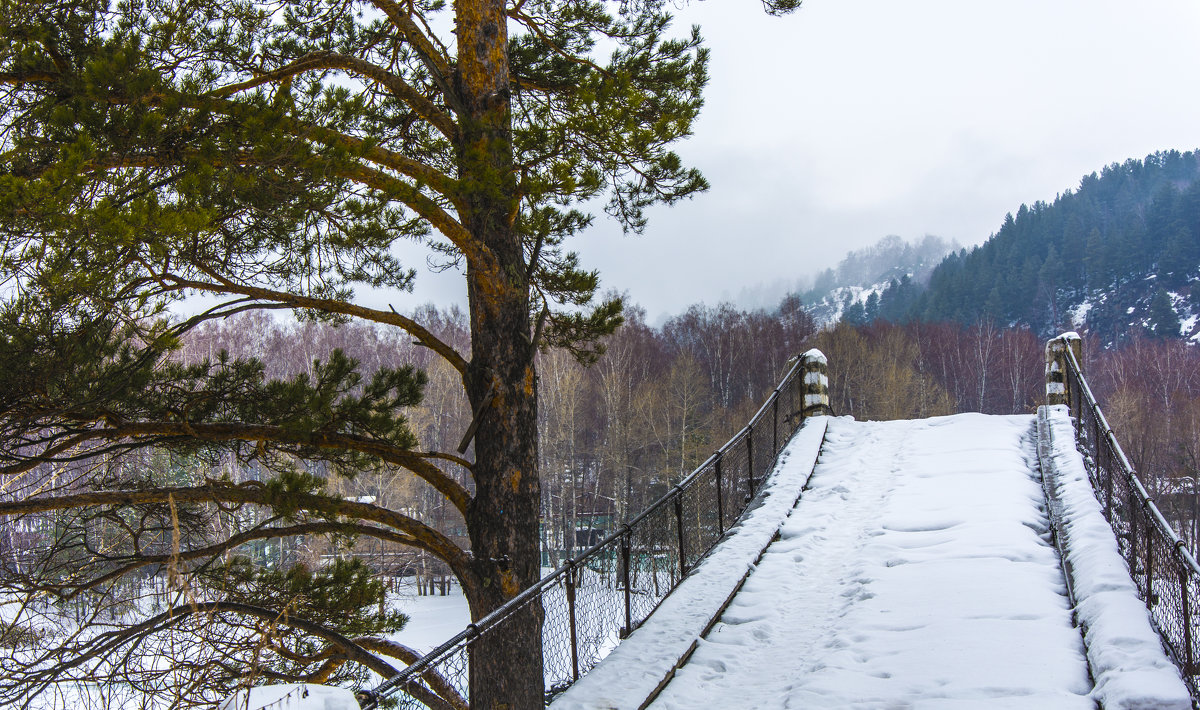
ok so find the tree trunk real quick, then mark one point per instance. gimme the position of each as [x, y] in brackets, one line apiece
[502, 520]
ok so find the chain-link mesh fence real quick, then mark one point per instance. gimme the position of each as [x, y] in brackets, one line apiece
[598, 598]
[1166, 574]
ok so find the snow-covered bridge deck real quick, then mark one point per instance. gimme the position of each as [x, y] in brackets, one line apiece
[916, 570]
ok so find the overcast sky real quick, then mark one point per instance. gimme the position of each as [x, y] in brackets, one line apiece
[849, 120]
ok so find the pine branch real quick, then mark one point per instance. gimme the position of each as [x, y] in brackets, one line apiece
[225, 285]
[320, 61]
[255, 492]
[235, 541]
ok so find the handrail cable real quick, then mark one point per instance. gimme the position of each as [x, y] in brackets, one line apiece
[1125, 463]
[1164, 571]
[603, 594]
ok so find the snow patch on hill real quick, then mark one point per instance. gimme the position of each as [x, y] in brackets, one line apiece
[830, 309]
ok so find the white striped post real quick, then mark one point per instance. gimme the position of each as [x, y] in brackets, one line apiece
[1056, 366]
[816, 384]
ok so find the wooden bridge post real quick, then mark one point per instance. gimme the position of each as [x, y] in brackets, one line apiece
[1057, 386]
[816, 384]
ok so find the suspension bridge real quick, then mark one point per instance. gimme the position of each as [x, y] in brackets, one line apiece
[818, 562]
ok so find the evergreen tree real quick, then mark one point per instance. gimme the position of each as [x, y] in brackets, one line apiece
[1049, 276]
[1095, 260]
[899, 300]
[993, 307]
[1179, 257]
[854, 313]
[1096, 244]
[270, 156]
[1164, 322]
[871, 307]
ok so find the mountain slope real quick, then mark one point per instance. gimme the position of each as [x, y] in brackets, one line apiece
[851, 292]
[1119, 256]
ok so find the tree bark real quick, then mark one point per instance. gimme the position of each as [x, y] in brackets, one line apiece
[502, 519]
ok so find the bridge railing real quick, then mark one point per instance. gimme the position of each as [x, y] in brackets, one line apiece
[1165, 572]
[600, 596]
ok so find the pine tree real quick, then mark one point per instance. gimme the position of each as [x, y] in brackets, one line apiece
[854, 313]
[871, 308]
[1047, 316]
[1164, 322]
[1098, 244]
[271, 156]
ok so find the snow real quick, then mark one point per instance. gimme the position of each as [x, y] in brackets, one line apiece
[1187, 325]
[829, 310]
[1126, 656]
[291, 696]
[914, 572]
[431, 619]
[643, 661]
[888, 564]
[1078, 316]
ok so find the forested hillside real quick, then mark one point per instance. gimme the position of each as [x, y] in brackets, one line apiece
[1119, 257]
[843, 292]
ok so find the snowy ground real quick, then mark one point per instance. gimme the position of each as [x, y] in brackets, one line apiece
[431, 619]
[1124, 651]
[914, 573]
[644, 660]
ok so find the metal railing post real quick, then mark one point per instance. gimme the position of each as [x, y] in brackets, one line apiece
[570, 581]
[1131, 513]
[625, 554]
[679, 527]
[750, 461]
[1184, 595]
[1151, 597]
[775, 427]
[720, 496]
[1108, 481]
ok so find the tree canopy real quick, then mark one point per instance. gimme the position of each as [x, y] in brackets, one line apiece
[272, 155]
